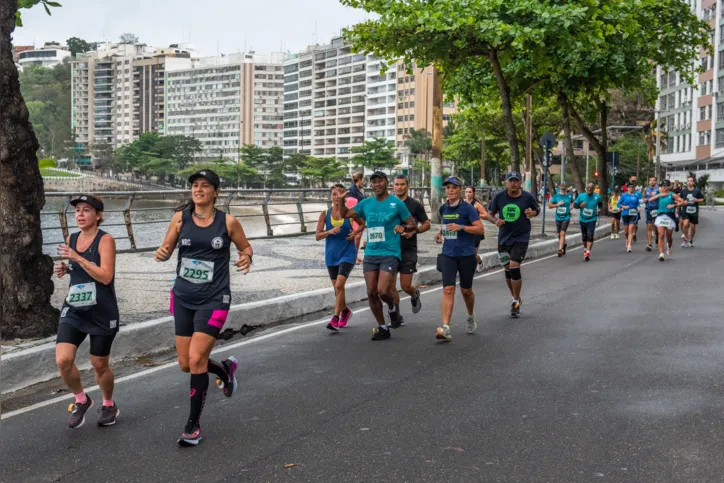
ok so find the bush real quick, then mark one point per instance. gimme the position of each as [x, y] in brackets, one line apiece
[719, 194]
[47, 163]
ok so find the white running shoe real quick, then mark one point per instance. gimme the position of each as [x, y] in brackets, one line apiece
[661, 257]
[613, 236]
[472, 325]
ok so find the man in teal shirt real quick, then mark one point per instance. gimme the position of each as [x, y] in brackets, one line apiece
[561, 202]
[386, 216]
[589, 203]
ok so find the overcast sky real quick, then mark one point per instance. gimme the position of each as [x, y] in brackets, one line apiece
[226, 25]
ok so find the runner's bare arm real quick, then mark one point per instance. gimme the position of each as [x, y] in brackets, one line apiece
[345, 212]
[409, 224]
[166, 249]
[360, 228]
[107, 250]
[238, 238]
[321, 233]
[424, 226]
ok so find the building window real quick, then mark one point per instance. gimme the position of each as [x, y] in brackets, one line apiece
[412, 117]
[399, 131]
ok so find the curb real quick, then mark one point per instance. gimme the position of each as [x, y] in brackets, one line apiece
[37, 364]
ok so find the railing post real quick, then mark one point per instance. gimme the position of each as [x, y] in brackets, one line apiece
[64, 218]
[265, 209]
[227, 202]
[127, 220]
[300, 210]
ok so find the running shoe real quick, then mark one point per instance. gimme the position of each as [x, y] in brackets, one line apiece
[669, 252]
[108, 415]
[613, 236]
[586, 255]
[683, 244]
[443, 333]
[333, 324]
[515, 308]
[396, 320]
[628, 250]
[683, 237]
[635, 238]
[472, 325]
[380, 333]
[691, 244]
[618, 236]
[415, 301]
[480, 265]
[229, 387]
[560, 252]
[191, 435]
[565, 247]
[344, 318]
[77, 413]
[661, 257]
[649, 248]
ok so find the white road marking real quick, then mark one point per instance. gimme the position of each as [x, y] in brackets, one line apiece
[228, 347]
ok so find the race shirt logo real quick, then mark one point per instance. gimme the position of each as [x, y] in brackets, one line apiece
[185, 242]
[217, 243]
[511, 212]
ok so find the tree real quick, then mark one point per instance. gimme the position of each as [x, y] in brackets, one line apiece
[322, 170]
[103, 156]
[419, 142]
[47, 96]
[182, 149]
[375, 154]
[25, 283]
[128, 38]
[79, 46]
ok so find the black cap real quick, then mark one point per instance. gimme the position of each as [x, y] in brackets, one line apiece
[666, 182]
[207, 174]
[513, 175]
[379, 174]
[452, 180]
[91, 200]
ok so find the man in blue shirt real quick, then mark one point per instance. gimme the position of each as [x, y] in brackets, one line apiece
[651, 212]
[589, 203]
[515, 207]
[386, 217]
[629, 206]
[561, 202]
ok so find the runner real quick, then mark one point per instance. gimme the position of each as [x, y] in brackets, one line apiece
[355, 196]
[629, 203]
[651, 212]
[340, 254]
[589, 203]
[408, 246]
[90, 309]
[478, 205]
[679, 221]
[690, 213]
[201, 294]
[615, 213]
[561, 202]
[666, 220]
[460, 223]
[513, 232]
[386, 217]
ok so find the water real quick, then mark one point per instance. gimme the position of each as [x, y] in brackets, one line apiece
[149, 227]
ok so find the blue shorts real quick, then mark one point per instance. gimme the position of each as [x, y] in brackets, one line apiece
[630, 219]
[588, 231]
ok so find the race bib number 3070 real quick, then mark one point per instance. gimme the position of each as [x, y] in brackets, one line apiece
[375, 234]
[196, 271]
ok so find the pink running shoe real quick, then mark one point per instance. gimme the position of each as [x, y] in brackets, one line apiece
[333, 324]
[344, 318]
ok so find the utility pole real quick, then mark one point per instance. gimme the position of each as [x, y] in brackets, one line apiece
[529, 144]
[436, 162]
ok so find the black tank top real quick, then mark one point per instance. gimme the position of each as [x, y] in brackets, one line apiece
[90, 306]
[202, 271]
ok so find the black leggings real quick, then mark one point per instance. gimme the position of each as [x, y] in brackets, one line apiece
[452, 266]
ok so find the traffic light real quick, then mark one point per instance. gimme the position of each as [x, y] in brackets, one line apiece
[595, 174]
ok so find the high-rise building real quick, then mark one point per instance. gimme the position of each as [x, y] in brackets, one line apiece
[692, 116]
[117, 93]
[226, 102]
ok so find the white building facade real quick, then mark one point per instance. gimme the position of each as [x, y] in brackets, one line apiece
[52, 53]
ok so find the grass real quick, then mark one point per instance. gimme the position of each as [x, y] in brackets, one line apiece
[55, 172]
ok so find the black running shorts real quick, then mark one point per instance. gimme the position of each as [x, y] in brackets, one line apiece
[100, 345]
[452, 266]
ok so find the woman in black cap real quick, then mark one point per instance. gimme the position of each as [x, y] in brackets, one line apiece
[90, 309]
[201, 295]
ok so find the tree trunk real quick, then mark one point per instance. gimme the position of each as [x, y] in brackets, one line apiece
[25, 283]
[568, 139]
[508, 122]
[436, 167]
[482, 161]
[602, 167]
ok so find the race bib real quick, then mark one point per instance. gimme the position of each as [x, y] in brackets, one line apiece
[588, 212]
[664, 221]
[562, 210]
[633, 212]
[504, 258]
[375, 234]
[691, 209]
[449, 234]
[82, 295]
[196, 271]
[615, 209]
[654, 213]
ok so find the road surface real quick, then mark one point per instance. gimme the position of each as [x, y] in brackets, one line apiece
[612, 373]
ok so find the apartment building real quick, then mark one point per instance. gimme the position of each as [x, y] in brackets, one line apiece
[113, 101]
[692, 116]
[226, 102]
[50, 54]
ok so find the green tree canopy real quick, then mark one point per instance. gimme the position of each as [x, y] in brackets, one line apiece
[79, 46]
[375, 154]
[322, 170]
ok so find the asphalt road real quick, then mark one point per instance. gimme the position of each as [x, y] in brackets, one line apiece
[612, 373]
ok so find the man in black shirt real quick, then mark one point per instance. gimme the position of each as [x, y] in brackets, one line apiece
[515, 207]
[690, 213]
[408, 244]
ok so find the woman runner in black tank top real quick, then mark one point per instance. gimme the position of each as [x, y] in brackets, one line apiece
[201, 295]
[89, 309]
